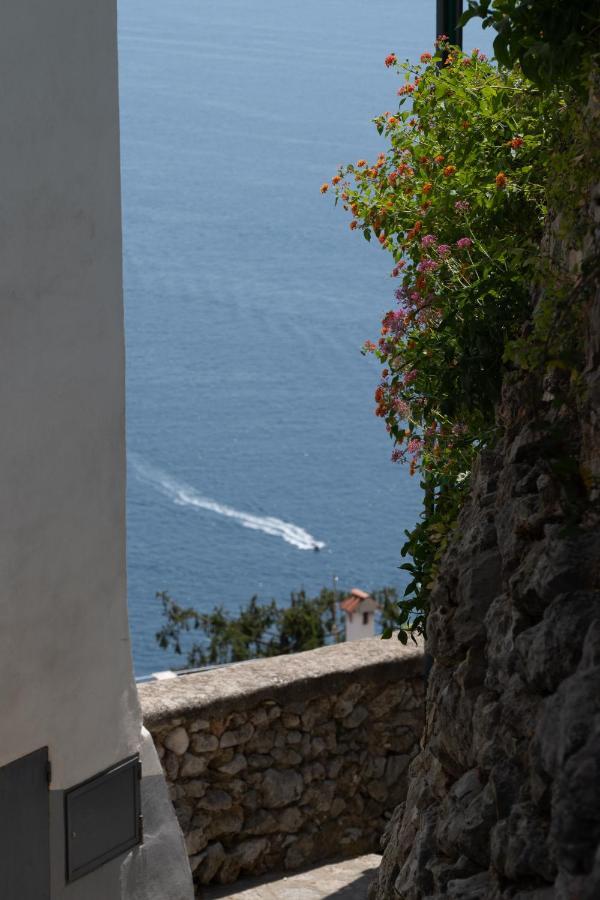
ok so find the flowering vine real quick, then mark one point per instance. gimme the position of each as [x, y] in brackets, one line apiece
[458, 200]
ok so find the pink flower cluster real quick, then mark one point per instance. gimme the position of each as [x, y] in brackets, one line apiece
[464, 243]
[427, 265]
[414, 446]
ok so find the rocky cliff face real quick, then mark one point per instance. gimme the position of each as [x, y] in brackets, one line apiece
[504, 798]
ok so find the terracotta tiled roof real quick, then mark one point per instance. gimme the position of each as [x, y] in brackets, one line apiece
[351, 603]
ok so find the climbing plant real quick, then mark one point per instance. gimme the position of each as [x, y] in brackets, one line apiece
[459, 201]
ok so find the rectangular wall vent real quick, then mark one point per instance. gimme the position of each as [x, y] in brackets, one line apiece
[103, 818]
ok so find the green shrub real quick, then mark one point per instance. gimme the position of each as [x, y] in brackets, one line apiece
[553, 41]
[263, 629]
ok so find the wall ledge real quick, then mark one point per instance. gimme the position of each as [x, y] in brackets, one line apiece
[294, 677]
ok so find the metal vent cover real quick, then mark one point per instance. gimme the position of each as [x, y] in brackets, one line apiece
[102, 818]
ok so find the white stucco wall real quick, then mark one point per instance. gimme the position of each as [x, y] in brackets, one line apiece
[65, 667]
[66, 678]
[356, 630]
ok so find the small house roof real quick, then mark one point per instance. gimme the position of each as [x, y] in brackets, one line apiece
[356, 599]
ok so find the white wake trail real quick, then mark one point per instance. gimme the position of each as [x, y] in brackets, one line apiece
[185, 495]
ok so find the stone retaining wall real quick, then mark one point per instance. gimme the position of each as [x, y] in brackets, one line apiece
[279, 762]
[504, 798]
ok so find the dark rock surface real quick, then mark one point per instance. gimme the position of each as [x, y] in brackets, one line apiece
[504, 797]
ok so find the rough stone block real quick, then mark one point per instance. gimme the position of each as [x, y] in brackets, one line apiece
[237, 736]
[215, 800]
[235, 765]
[204, 743]
[286, 756]
[195, 841]
[192, 766]
[177, 741]
[261, 822]
[198, 725]
[356, 717]
[207, 864]
[291, 819]
[281, 787]
[225, 822]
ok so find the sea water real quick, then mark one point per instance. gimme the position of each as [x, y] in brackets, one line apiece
[256, 464]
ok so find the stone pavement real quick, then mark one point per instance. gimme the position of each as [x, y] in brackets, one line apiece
[346, 880]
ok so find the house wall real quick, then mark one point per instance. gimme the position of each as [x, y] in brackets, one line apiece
[277, 763]
[65, 661]
[356, 630]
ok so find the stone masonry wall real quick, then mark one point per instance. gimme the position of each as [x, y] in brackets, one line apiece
[279, 762]
[504, 798]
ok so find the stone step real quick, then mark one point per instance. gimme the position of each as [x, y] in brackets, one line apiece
[345, 880]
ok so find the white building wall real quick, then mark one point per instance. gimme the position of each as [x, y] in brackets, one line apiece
[356, 629]
[65, 660]
[62, 459]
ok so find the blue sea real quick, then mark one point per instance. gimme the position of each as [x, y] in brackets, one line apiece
[250, 426]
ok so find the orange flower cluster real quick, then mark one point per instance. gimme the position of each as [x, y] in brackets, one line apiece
[324, 187]
[427, 187]
[448, 171]
[501, 180]
[391, 60]
[516, 142]
[414, 230]
[439, 158]
[361, 163]
[381, 408]
[406, 89]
